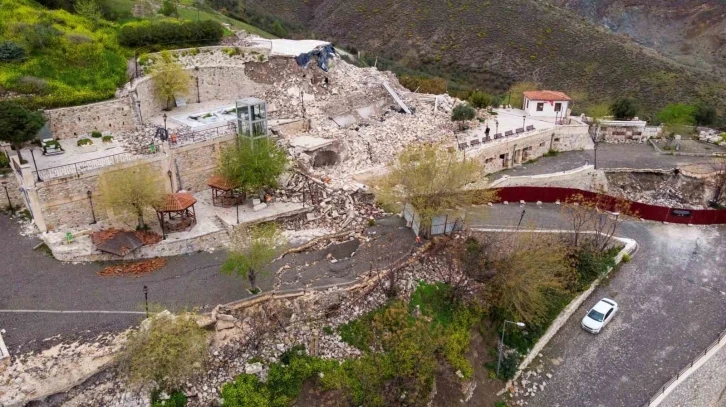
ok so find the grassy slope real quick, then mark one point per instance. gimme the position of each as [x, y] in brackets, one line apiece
[494, 43]
[82, 63]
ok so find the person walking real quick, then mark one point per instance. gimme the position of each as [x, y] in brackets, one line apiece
[486, 133]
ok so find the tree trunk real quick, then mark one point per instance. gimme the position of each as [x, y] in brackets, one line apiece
[141, 224]
[252, 278]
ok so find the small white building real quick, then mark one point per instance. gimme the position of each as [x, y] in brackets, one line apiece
[546, 103]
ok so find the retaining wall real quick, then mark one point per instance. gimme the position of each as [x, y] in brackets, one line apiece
[114, 116]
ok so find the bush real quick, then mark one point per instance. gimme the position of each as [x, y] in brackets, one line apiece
[138, 34]
[166, 352]
[480, 99]
[31, 85]
[176, 399]
[463, 112]
[510, 365]
[96, 134]
[500, 403]
[84, 142]
[106, 139]
[4, 160]
[11, 51]
[624, 109]
[626, 258]
[590, 264]
[423, 84]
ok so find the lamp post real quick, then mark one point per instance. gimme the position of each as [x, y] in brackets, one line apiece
[146, 300]
[10, 203]
[90, 200]
[237, 208]
[37, 173]
[524, 121]
[197, 80]
[141, 118]
[171, 182]
[496, 124]
[165, 122]
[520, 219]
[501, 343]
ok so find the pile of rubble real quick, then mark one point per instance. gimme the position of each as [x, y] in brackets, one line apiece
[530, 383]
[713, 137]
[670, 190]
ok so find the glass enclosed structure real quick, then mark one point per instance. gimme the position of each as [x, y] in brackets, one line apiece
[251, 118]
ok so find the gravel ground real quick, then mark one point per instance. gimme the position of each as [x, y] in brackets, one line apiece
[672, 298]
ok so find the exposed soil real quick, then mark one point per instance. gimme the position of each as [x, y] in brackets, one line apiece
[658, 189]
[311, 396]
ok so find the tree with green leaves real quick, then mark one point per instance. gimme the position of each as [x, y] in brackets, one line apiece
[462, 112]
[251, 249]
[131, 191]
[165, 351]
[598, 113]
[169, 78]
[677, 117]
[11, 51]
[705, 115]
[624, 109]
[19, 125]
[89, 9]
[432, 179]
[253, 163]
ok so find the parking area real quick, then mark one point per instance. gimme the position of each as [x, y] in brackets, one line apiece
[672, 298]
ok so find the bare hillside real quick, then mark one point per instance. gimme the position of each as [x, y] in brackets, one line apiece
[491, 44]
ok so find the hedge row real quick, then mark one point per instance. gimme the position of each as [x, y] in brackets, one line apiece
[166, 32]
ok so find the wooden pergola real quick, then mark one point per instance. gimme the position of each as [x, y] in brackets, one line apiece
[225, 193]
[179, 208]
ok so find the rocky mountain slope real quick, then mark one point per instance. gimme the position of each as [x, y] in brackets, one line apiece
[491, 44]
[691, 31]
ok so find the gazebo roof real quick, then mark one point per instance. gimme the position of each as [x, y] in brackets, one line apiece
[221, 183]
[177, 202]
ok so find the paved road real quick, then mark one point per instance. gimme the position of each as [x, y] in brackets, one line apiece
[672, 297]
[31, 280]
[608, 156]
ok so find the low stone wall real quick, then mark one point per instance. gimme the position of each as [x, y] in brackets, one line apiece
[702, 385]
[514, 180]
[83, 250]
[16, 195]
[113, 116]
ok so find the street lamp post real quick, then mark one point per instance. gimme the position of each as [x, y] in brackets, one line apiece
[90, 200]
[141, 118]
[164, 122]
[197, 80]
[171, 182]
[501, 343]
[10, 203]
[520, 219]
[524, 121]
[146, 300]
[37, 173]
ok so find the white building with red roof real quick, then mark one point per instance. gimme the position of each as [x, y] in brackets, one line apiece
[546, 103]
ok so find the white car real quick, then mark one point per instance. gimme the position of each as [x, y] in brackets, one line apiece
[599, 315]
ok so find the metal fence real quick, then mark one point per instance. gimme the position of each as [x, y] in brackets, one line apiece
[80, 167]
[196, 136]
[683, 371]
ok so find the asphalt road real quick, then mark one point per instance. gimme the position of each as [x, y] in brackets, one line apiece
[672, 298]
[32, 280]
[640, 156]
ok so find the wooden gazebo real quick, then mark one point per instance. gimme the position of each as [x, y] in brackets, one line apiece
[225, 193]
[179, 208]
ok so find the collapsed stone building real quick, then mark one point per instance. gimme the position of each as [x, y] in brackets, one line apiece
[336, 125]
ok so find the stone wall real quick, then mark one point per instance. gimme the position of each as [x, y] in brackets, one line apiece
[215, 83]
[112, 116]
[197, 162]
[506, 153]
[706, 387]
[16, 195]
[64, 202]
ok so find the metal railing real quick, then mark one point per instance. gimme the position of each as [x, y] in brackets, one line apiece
[683, 371]
[80, 167]
[196, 136]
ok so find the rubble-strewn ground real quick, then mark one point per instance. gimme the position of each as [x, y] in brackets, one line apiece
[658, 189]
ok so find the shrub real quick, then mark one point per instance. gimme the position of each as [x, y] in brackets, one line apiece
[422, 84]
[500, 403]
[327, 330]
[4, 160]
[590, 264]
[624, 108]
[96, 134]
[107, 139]
[626, 258]
[480, 99]
[11, 51]
[167, 351]
[84, 142]
[463, 112]
[31, 85]
[176, 399]
[510, 365]
[145, 33]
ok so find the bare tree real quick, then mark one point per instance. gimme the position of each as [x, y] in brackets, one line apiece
[719, 180]
[590, 215]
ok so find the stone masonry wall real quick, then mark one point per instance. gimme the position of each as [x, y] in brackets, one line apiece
[16, 196]
[706, 387]
[196, 163]
[498, 155]
[65, 203]
[112, 116]
[215, 83]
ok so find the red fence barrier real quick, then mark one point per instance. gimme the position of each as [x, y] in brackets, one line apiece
[606, 202]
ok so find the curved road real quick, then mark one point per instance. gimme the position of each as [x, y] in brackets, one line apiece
[672, 298]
